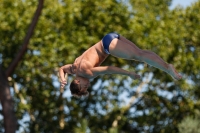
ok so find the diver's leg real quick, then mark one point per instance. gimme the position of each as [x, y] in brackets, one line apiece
[124, 48]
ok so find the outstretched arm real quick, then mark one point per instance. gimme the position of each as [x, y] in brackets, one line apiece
[113, 70]
[66, 69]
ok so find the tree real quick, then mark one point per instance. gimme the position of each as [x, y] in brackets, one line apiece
[6, 98]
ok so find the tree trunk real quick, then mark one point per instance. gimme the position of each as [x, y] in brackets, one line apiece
[10, 121]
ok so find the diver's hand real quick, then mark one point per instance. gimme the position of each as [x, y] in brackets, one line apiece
[63, 83]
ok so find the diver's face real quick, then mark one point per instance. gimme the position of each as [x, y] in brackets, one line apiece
[84, 83]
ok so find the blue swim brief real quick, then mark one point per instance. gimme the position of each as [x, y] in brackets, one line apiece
[107, 40]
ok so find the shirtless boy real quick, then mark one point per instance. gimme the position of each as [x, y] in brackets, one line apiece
[87, 65]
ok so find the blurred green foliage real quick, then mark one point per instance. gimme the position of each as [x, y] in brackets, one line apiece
[190, 124]
[116, 103]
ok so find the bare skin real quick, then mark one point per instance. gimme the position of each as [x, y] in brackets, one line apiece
[87, 66]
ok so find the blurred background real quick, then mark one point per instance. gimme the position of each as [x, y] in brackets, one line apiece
[116, 104]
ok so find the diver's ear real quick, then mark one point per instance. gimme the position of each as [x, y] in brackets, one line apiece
[77, 80]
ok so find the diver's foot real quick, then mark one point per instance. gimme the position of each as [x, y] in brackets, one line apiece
[174, 73]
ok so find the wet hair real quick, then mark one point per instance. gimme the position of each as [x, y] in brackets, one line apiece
[76, 91]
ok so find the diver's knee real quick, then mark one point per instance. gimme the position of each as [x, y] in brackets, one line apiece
[138, 54]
